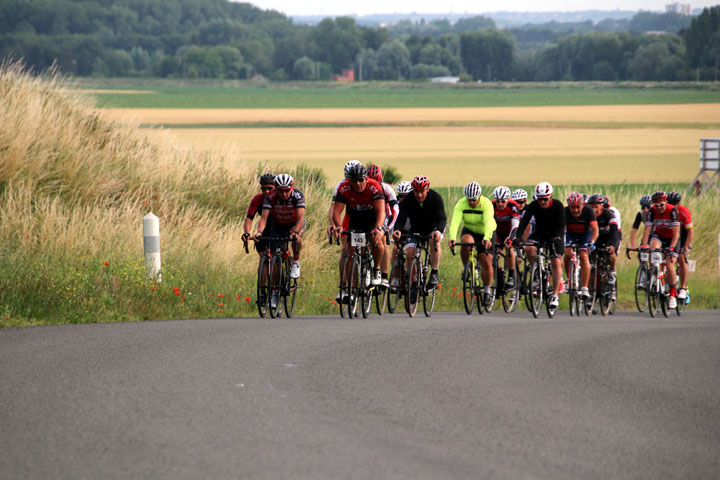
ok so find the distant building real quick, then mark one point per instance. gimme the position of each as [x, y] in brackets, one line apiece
[681, 8]
[444, 79]
[346, 76]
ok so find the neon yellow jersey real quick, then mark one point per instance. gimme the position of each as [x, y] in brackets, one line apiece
[480, 219]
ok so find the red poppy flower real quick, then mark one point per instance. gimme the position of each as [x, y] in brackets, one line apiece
[247, 299]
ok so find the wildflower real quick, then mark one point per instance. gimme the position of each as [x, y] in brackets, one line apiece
[107, 264]
[334, 302]
[439, 286]
[222, 310]
[211, 295]
[247, 299]
[154, 289]
[237, 298]
[220, 295]
[220, 304]
[176, 289]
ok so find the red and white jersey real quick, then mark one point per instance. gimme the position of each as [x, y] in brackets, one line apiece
[616, 212]
[663, 223]
[359, 202]
[684, 217]
[392, 208]
[284, 212]
[507, 219]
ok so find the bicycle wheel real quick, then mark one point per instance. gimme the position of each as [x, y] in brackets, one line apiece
[548, 294]
[263, 288]
[589, 303]
[494, 289]
[664, 306]
[344, 285]
[653, 295]
[469, 287]
[276, 279]
[366, 289]
[414, 281]
[380, 295]
[605, 297]
[510, 298]
[573, 291]
[290, 292]
[393, 295]
[354, 286]
[536, 289]
[681, 302]
[641, 288]
[526, 288]
[429, 301]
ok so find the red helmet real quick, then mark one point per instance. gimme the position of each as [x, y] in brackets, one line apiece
[420, 183]
[375, 173]
[659, 197]
[575, 200]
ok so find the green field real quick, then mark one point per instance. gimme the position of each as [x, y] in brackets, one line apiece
[368, 95]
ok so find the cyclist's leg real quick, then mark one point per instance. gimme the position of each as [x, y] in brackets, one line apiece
[555, 247]
[435, 247]
[584, 267]
[466, 237]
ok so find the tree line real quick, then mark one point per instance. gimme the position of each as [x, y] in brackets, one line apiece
[223, 39]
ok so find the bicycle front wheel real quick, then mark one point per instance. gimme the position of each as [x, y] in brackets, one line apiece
[536, 289]
[290, 296]
[429, 302]
[354, 286]
[510, 297]
[664, 306]
[681, 302]
[366, 290]
[605, 298]
[653, 296]
[642, 283]
[549, 292]
[397, 276]
[589, 303]
[414, 281]
[263, 286]
[573, 299]
[468, 288]
[276, 281]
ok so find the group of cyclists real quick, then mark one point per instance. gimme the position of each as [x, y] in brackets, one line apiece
[363, 202]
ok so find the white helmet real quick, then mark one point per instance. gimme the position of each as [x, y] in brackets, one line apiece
[501, 193]
[284, 181]
[473, 190]
[519, 194]
[404, 187]
[543, 189]
[349, 165]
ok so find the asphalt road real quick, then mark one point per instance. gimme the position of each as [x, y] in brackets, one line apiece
[453, 396]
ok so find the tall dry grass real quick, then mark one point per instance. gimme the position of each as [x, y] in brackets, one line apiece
[74, 188]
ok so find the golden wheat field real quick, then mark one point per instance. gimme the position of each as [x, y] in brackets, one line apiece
[553, 144]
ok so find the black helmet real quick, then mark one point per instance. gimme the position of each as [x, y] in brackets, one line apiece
[267, 179]
[595, 199]
[659, 197]
[645, 201]
[674, 198]
[357, 172]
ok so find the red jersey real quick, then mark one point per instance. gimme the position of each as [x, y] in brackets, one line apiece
[506, 217]
[284, 212]
[684, 217]
[362, 202]
[255, 205]
[663, 223]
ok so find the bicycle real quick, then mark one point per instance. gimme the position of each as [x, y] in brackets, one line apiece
[356, 276]
[398, 278]
[472, 291]
[416, 277]
[540, 284]
[573, 287]
[642, 276]
[274, 279]
[605, 292]
[658, 291]
[509, 297]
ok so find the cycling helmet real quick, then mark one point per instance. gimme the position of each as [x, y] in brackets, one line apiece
[501, 193]
[543, 189]
[606, 202]
[659, 197]
[473, 191]
[284, 181]
[404, 187]
[420, 183]
[674, 198]
[267, 179]
[575, 200]
[357, 172]
[349, 165]
[519, 194]
[645, 201]
[585, 198]
[375, 173]
[595, 199]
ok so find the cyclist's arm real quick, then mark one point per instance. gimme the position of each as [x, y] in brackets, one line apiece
[455, 222]
[263, 220]
[247, 225]
[336, 210]
[379, 207]
[595, 232]
[489, 223]
[648, 227]
[298, 227]
[676, 235]
[524, 221]
[614, 234]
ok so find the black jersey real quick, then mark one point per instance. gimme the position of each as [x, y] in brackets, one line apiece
[582, 223]
[423, 218]
[608, 227]
[549, 222]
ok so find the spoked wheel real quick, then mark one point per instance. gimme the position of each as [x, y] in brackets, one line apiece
[380, 294]
[494, 289]
[393, 295]
[429, 301]
[344, 285]
[589, 303]
[354, 287]
[414, 281]
[535, 288]
[641, 288]
[653, 296]
[367, 290]
[276, 284]
[573, 291]
[664, 300]
[549, 293]
[468, 287]
[263, 287]
[526, 289]
[510, 297]
[289, 296]
[605, 298]
[681, 302]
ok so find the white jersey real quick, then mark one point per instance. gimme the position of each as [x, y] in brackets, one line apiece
[616, 212]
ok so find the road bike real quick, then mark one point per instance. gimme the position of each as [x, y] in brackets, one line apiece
[573, 283]
[603, 292]
[508, 296]
[540, 284]
[659, 290]
[471, 289]
[398, 279]
[356, 276]
[416, 277]
[642, 277]
[276, 290]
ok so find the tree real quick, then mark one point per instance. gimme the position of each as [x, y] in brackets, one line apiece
[304, 69]
[660, 57]
[488, 54]
[367, 64]
[337, 42]
[393, 61]
[698, 37]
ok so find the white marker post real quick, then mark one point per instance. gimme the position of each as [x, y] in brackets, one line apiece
[151, 241]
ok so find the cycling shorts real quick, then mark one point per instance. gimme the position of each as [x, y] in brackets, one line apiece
[555, 244]
[478, 238]
[666, 243]
[581, 239]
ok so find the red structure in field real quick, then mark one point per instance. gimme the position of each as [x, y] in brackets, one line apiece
[346, 76]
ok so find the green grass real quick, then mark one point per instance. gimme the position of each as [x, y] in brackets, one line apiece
[370, 95]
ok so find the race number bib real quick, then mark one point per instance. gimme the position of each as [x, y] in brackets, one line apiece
[644, 256]
[656, 258]
[358, 240]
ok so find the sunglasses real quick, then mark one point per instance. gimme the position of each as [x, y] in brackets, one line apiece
[520, 202]
[543, 199]
[284, 190]
[266, 189]
[660, 204]
[357, 180]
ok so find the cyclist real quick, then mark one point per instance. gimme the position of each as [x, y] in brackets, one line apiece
[391, 212]
[581, 229]
[549, 229]
[267, 185]
[477, 214]
[426, 212]
[520, 198]
[686, 238]
[608, 228]
[403, 189]
[662, 230]
[640, 218]
[364, 204]
[286, 206]
[507, 218]
[608, 206]
[345, 220]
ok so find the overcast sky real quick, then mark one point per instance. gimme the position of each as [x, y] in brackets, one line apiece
[366, 7]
